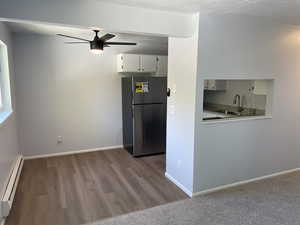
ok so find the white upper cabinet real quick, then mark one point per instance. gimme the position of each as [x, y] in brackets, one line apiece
[133, 63]
[162, 65]
[129, 63]
[215, 85]
[261, 87]
[148, 63]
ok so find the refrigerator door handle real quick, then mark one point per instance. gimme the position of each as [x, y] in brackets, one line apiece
[132, 111]
[168, 92]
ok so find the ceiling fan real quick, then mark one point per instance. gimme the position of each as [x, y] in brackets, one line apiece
[98, 43]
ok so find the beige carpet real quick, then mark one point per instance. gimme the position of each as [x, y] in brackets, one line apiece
[274, 201]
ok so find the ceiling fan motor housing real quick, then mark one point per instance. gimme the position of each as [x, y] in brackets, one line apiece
[99, 45]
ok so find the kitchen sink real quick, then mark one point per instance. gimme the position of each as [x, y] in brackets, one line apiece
[235, 113]
[227, 112]
[213, 118]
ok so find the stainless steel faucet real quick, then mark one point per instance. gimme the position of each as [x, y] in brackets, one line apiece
[237, 100]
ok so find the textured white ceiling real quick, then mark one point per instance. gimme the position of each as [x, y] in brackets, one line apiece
[285, 11]
[145, 44]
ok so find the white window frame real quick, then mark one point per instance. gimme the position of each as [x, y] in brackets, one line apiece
[5, 95]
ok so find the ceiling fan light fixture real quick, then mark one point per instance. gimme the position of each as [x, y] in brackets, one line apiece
[96, 51]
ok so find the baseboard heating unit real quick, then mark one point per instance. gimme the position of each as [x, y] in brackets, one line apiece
[11, 187]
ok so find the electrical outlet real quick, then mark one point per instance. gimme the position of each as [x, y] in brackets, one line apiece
[59, 140]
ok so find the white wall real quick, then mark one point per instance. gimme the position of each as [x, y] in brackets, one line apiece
[248, 47]
[182, 74]
[94, 13]
[65, 90]
[9, 148]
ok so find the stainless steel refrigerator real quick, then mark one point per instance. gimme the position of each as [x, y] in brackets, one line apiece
[144, 100]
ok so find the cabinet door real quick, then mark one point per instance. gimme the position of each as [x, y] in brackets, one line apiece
[205, 84]
[148, 63]
[215, 85]
[260, 87]
[211, 85]
[162, 65]
[130, 63]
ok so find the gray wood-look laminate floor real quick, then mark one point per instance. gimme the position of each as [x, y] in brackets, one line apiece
[82, 188]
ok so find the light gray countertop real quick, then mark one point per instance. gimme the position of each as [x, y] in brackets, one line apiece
[221, 112]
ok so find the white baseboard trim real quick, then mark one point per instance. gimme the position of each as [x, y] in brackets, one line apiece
[8, 177]
[73, 152]
[7, 199]
[223, 187]
[178, 184]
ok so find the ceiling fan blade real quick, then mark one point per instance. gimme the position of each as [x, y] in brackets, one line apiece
[77, 42]
[107, 37]
[82, 39]
[120, 43]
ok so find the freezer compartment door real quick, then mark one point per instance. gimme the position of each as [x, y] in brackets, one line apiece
[148, 90]
[149, 129]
